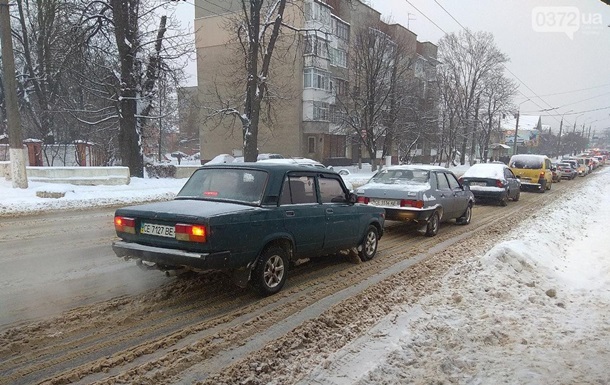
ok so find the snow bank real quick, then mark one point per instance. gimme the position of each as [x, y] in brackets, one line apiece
[535, 309]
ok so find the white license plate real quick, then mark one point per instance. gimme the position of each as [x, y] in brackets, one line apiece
[478, 184]
[159, 230]
[384, 202]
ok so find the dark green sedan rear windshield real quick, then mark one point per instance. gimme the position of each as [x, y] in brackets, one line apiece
[236, 185]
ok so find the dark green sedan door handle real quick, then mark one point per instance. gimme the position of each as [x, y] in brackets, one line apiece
[329, 211]
[290, 213]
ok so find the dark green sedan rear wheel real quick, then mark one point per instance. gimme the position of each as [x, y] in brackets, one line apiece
[368, 247]
[269, 275]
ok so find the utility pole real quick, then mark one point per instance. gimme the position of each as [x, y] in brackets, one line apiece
[559, 138]
[16, 154]
[516, 133]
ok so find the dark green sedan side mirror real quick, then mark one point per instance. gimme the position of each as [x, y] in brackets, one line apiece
[352, 198]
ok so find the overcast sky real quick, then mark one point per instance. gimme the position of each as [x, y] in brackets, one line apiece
[545, 59]
[551, 61]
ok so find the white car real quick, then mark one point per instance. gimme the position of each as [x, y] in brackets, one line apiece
[306, 162]
[240, 159]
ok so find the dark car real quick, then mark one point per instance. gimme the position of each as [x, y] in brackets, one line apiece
[250, 219]
[423, 195]
[492, 182]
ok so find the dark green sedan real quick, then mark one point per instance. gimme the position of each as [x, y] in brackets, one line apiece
[251, 220]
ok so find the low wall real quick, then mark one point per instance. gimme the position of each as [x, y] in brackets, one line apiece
[84, 176]
[5, 170]
[185, 171]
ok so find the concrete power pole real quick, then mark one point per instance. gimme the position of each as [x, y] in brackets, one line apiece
[16, 154]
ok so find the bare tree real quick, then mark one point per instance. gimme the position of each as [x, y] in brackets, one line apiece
[257, 30]
[141, 58]
[496, 99]
[468, 57]
[371, 107]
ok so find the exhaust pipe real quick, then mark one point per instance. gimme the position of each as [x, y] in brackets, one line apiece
[145, 265]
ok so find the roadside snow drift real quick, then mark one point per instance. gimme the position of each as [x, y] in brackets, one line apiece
[535, 309]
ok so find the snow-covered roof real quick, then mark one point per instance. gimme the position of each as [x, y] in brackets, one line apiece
[415, 167]
[485, 170]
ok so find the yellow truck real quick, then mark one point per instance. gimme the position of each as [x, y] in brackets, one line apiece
[534, 171]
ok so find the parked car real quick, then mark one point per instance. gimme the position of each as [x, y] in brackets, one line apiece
[423, 195]
[308, 163]
[249, 219]
[567, 169]
[534, 171]
[582, 168]
[240, 159]
[557, 175]
[492, 181]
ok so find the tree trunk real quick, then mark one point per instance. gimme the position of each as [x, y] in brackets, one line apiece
[125, 15]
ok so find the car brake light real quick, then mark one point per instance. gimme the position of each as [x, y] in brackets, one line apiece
[499, 183]
[191, 233]
[411, 203]
[364, 200]
[125, 225]
[542, 173]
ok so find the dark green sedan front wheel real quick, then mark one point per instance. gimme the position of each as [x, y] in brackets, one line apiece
[269, 275]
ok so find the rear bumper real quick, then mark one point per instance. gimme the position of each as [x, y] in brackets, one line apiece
[174, 258]
[406, 215]
[484, 195]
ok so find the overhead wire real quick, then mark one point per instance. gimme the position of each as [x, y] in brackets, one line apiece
[535, 95]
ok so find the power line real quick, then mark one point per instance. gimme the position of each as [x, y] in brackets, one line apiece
[572, 113]
[503, 65]
[424, 15]
[578, 90]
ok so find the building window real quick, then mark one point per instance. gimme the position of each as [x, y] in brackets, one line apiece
[315, 11]
[341, 29]
[337, 146]
[339, 87]
[320, 111]
[337, 115]
[315, 45]
[315, 78]
[338, 57]
[311, 145]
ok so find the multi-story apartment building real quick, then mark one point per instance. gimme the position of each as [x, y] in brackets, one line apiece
[311, 71]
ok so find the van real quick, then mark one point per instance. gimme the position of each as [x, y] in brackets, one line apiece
[534, 171]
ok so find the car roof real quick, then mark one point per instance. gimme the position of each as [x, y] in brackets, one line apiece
[269, 166]
[301, 161]
[425, 167]
[500, 166]
[529, 156]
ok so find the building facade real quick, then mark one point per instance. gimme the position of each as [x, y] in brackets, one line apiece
[311, 69]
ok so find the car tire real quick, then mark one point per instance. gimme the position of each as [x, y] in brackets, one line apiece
[504, 199]
[368, 248]
[270, 272]
[517, 196]
[466, 217]
[433, 224]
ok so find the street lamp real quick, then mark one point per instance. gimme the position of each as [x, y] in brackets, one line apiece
[517, 126]
[575, 119]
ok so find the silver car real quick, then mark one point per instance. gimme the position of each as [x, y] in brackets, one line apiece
[423, 195]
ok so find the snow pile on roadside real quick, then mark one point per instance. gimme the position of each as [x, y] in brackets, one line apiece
[15, 201]
[534, 309]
